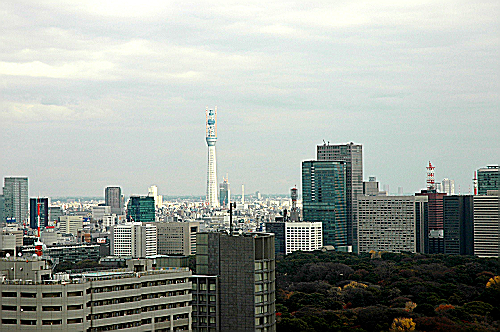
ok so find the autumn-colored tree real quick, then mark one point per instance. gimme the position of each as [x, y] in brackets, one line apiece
[409, 306]
[402, 324]
[494, 283]
[444, 307]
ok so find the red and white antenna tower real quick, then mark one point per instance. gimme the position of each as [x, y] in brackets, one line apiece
[430, 177]
[475, 183]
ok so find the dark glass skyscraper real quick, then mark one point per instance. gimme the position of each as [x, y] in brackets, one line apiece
[352, 155]
[458, 225]
[44, 212]
[488, 179]
[324, 199]
[141, 208]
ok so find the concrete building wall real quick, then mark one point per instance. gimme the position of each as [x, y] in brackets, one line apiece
[487, 225]
[177, 238]
[386, 223]
[146, 301]
[70, 224]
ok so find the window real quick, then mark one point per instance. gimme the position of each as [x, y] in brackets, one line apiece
[75, 294]
[28, 308]
[51, 308]
[29, 295]
[9, 321]
[49, 294]
[75, 307]
[51, 322]
[9, 294]
[9, 307]
[28, 322]
[75, 320]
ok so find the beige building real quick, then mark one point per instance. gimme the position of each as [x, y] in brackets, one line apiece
[177, 238]
[70, 224]
[157, 300]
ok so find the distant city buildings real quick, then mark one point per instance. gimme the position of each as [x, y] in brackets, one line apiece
[352, 155]
[141, 209]
[447, 186]
[224, 193]
[114, 199]
[153, 191]
[371, 187]
[15, 192]
[324, 199]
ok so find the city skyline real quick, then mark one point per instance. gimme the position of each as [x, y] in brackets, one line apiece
[96, 94]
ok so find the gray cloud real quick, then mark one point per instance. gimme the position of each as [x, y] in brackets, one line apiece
[95, 93]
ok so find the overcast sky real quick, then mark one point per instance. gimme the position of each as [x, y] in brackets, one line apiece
[98, 93]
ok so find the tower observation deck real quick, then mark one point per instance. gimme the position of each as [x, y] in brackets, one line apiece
[211, 138]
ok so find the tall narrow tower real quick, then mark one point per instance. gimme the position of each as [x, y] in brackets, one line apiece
[211, 138]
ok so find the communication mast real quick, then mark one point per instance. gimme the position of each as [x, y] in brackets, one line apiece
[475, 183]
[294, 213]
[430, 177]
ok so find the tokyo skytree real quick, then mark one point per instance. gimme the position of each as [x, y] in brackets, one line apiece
[211, 137]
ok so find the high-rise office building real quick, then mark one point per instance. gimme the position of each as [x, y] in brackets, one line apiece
[387, 223]
[448, 186]
[434, 222]
[15, 193]
[352, 155]
[39, 204]
[488, 179]
[458, 218]
[141, 209]
[371, 187]
[177, 238]
[224, 193]
[70, 224]
[153, 191]
[296, 236]
[487, 225]
[235, 286]
[324, 199]
[134, 239]
[211, 138]
[113, 198]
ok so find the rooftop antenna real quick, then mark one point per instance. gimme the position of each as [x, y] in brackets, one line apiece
[430, 177]
[475, 183]
[324, 143]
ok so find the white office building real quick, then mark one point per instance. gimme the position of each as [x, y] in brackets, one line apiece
[487, 225]
[303, 236]
[134, 239]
